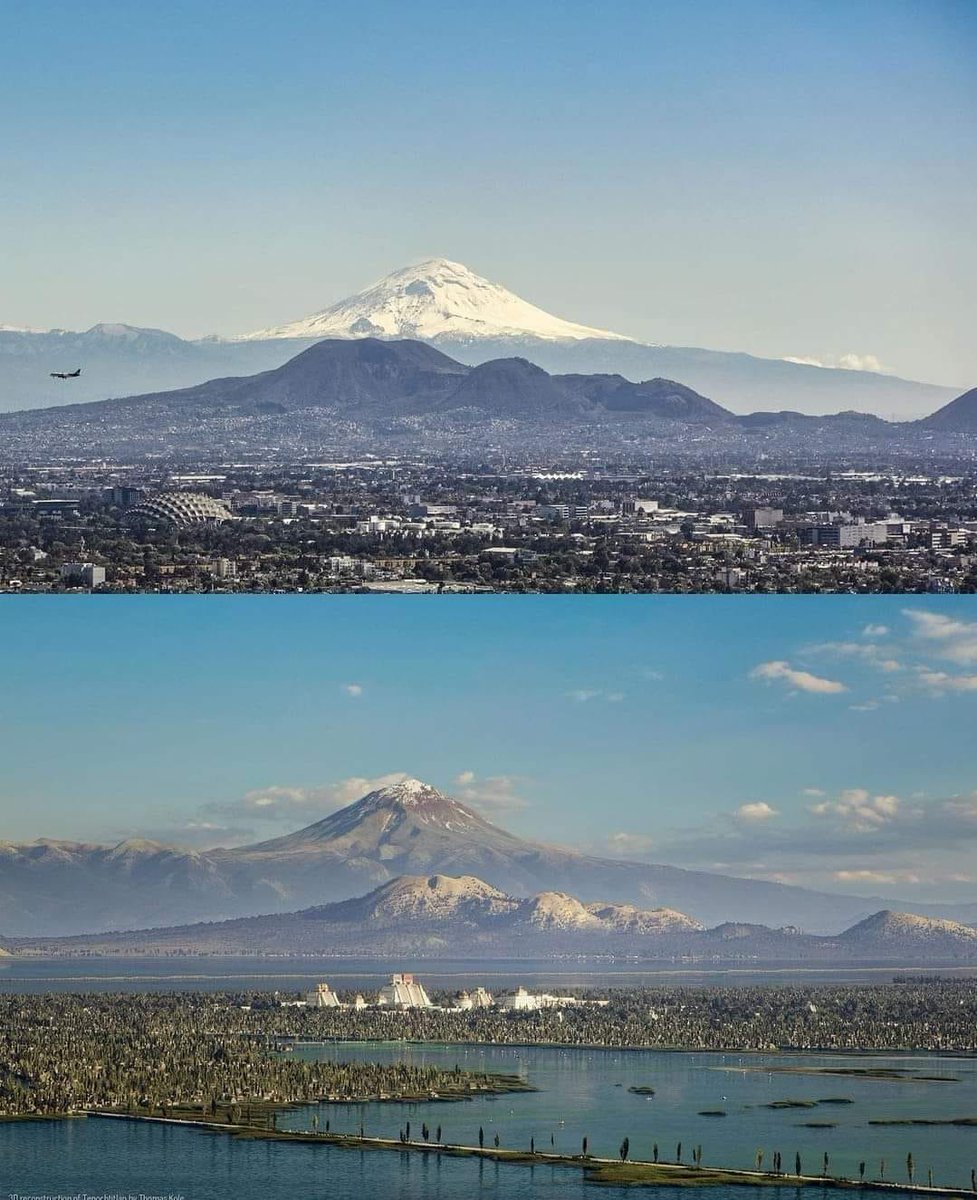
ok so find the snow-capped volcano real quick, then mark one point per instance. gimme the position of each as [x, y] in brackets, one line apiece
[435, 299]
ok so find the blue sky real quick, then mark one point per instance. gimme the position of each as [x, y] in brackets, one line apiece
[827, 741]
[788, 179]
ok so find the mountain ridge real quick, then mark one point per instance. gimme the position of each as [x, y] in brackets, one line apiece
[959, 416]
[489, 322]
[50, 887]
[453, 916]
[373, 379]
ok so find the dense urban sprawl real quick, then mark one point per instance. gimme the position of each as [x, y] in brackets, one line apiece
[406, 526]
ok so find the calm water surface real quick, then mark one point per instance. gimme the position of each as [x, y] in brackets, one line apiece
[585, 1093]
[582, 1092]
[109, 1158]
[295, 974]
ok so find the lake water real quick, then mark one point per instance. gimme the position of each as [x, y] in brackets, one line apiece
[296, 974]
[582, 1092]
[114, 1159]
[585, 1093]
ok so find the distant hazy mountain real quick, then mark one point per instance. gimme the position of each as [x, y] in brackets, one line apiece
[464, 917]
[368, 380]
[117, 360]
[474, 320]
[466, 316]
[959, 416]
[53, 887]
[905, 931]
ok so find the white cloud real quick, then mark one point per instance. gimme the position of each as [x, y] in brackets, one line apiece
[875, 631]
[859, 811]
[844, 362]
[859, 362]
[804, 361]
[804, 681]
[626, 844]
[864, 875]
[952, 638]
[280, 802]
[941, 682]
[353, 689]
[757, 811]
[585, 695]
[494, 793]
[876, 656]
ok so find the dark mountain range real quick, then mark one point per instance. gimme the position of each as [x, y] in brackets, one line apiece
[445, 916]
[741, 382]
[58, 888]
[369, 379]
[959, 416]
[468, 317]
[367, 395]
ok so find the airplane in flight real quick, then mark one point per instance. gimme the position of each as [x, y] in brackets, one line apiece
[66, 374]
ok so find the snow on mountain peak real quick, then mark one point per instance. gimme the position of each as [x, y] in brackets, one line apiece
[434, 299]
[430, 804]
[406, 790]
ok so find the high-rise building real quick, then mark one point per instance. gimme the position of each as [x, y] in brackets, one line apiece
[82, 574]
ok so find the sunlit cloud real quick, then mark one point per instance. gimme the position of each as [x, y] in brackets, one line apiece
[491, 794]
[286, 803]
[757, 811]
[803, 681]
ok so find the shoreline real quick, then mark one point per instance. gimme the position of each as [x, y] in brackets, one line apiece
[786, 1052]
[605, 1172]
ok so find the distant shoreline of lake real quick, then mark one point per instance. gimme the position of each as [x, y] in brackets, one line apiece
[266, 973]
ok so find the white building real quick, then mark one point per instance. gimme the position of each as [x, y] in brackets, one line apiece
[322, 996]
[82, 574]
[519, 1001]
[404, 991]
[479, 998]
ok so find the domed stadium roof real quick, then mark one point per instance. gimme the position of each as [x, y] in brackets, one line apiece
[181, 509]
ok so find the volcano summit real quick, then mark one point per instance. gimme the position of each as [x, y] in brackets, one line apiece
[406, 829]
